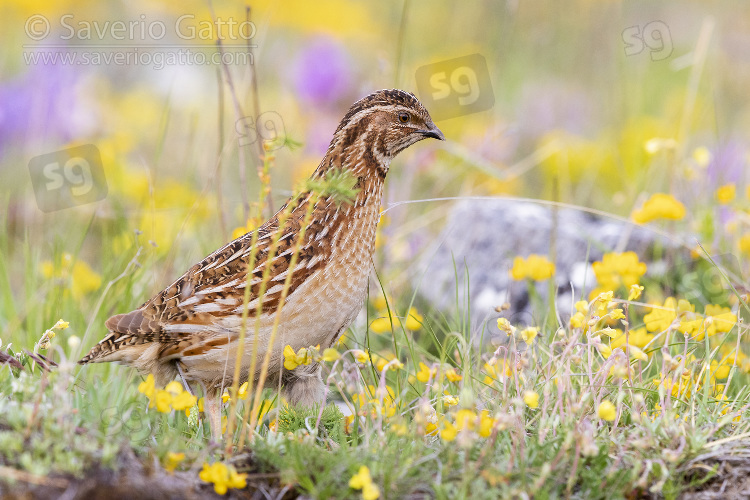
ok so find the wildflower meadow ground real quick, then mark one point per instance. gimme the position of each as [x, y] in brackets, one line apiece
[637, 387]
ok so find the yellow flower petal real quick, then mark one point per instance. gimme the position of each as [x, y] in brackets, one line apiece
[448, 432]
[659, 206]
[531, 399]
[529, 334]
[726, 194]
[635, 292]
[607, 411]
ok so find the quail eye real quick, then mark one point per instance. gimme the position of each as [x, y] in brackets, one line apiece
[403, 117]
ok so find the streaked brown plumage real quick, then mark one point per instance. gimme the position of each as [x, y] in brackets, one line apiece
[193, 325]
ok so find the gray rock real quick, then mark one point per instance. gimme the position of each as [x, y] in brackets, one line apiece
[483, 236]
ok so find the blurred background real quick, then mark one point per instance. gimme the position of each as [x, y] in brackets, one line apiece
[122, 134]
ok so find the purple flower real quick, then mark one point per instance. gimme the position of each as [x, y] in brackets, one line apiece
[39, 104]
[728, 163]
[321, 73]
[554, 105]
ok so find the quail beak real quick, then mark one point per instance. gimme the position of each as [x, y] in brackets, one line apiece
[433, 132]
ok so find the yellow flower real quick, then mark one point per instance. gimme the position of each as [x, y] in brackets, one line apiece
[577, 320]
[330, 354]
[702, 156]
[251, 225]
[162, 401]
[491, 373]
[45, 340]
[399, 429]
[529, 334]
[382, 325]
[609, 332]
[486, 423]
[635, 292]
[363, 481]
[659, 206]
[720, 370]
[365, 403]
[465, 419]
[184, 401]
[448, 432]
[745, 242]
[173, 460]
[265, 406]
[683, 387]
[636, 353]
[370, 492]
[380, 302]
[292, 360]
[395, 364]
[449, 400]
[659, 319]
[494, 371]
[242, 391]
[361, 356]
[604, 350]
[716, 319]
[616, 270]
[531, 399]
[380, 362]
[424, 373]
[605, 298]
[519, 270]
[638, 337]
[726, 194]
[452, 375]
[147, 387]
[504, 325]
[79, 276]
[174, 388]
[414, 320]
[61, 324]
[84, 279]
[223, 477]
[430, 429]
[289, 358]
[302, 357]
[616, 314]
[534, 267]
[607, 411]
